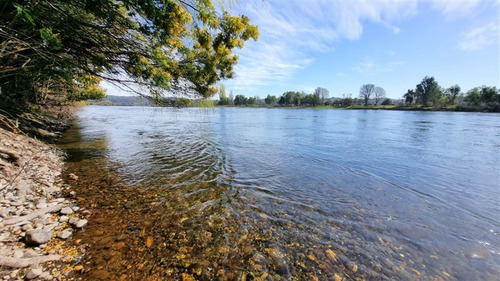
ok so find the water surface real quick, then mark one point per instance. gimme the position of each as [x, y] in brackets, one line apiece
[281, 194]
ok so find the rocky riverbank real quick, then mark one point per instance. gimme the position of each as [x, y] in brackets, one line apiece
[38, 211]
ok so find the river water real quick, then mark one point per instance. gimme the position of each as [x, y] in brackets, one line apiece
[287, 194]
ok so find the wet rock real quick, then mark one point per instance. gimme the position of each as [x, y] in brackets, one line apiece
[73, 177]
[33, 273]
[100, 275]
[37, 236]
[66, 211]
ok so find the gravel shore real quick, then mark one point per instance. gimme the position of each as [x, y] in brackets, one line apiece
[38, 212]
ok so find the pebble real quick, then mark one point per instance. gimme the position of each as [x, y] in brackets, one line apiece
[73, 177]
[81, 223]
[37, 236]
[27, 227]
[30, 253]
[66, 211]
[34, 190]
[33, 273]
[42, 205]
[73, 220]
[18, 254]
[65, 234]
[46, 276]
[50, 226]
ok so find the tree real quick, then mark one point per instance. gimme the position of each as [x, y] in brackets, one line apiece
[490, 94]
[223, 99]
[169, 45]
[473, 96]
[365, 92]
[250, 101]
[452, 93]
[322, 93]
[379, 93]
[428, 91]
[409, 97]
[387, 102]
[240, 100]
[270, 100]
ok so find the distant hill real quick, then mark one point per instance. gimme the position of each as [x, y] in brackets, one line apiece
[123, 101]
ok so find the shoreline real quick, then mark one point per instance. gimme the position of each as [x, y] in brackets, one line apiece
[38, 211]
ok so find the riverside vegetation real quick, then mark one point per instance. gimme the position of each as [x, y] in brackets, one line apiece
[54, 53]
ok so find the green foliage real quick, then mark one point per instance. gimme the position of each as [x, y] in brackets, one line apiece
[271, 100]
[182, 102]
[410, 96]
[484, 94]
[428, 91]
[452, 93]
[175, 45]
[224, 101]
[386, 102]
[240, 100]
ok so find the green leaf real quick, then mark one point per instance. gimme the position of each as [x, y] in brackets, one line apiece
[24, 14]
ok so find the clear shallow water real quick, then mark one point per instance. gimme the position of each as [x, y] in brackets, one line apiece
[274, 192]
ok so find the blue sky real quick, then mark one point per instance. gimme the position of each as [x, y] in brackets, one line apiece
[340, 45]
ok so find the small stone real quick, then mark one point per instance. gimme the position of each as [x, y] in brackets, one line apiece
[73, 220]
[65, 234]
[41, 205]
[78, 268]
[30, 253]
[37, 236]
[18, 254]
[100, 274]
[63, 219]
[80, 223]
[50, 226]
[66, 211]
[46, 276]
[26, 227]
[75, 208]
[73, 177]
[33, 273]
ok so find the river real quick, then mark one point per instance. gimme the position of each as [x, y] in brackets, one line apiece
[287, 194]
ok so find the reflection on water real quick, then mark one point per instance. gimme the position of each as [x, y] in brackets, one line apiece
[258, 194]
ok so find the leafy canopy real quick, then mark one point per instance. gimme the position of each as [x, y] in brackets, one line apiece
[176, 45]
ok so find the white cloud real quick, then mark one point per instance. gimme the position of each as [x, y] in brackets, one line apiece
[453, 9]
[480, 37]
[292, 32]
[370, 67]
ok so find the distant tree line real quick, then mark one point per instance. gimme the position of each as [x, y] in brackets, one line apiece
[428, 93]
